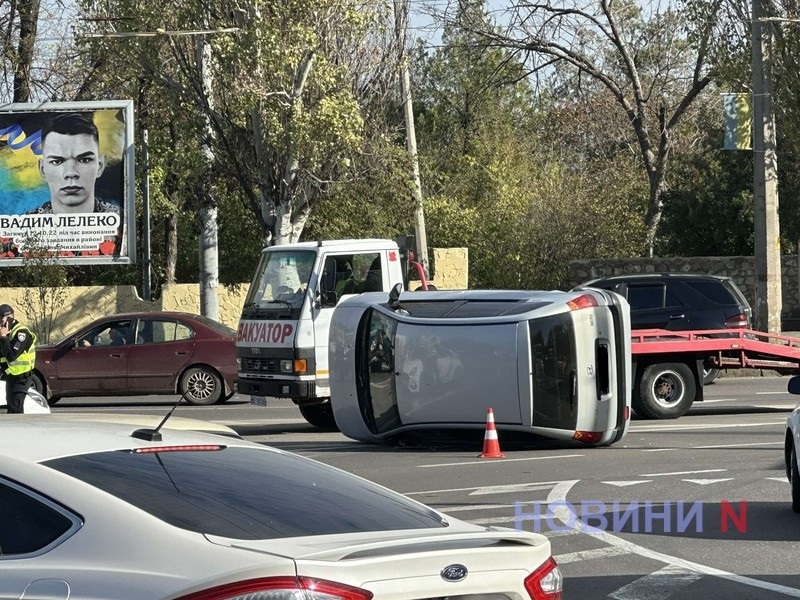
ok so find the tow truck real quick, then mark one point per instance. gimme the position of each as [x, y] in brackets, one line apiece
[283, 334]
[668, 365]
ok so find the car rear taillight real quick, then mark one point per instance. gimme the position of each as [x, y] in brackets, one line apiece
[284, 588]
[739, 321]
[546, 582]
[588, 437]
[585, 301]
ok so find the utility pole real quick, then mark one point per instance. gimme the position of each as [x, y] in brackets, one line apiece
[401, 25]
[765, 181]
[208, 242]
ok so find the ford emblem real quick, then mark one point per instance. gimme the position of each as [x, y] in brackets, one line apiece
[454, 572]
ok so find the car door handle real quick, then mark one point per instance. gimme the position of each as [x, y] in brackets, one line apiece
[676, 317]
[181, 352]
[115, 355]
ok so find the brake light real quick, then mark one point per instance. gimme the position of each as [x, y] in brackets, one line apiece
[738, 321]
[585, 301]
[283, 588]
[546, 582]
[588, 437]
[203, 448]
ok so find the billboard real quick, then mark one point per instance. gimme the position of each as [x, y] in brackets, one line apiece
[67, 182]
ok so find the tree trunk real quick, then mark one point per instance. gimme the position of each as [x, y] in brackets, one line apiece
[28, 21]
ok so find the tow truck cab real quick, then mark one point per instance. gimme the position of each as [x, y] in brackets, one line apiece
[282, 338]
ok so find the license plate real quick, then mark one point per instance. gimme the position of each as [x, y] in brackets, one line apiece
[258, 400]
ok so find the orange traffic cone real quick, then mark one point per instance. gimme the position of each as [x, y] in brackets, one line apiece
[491, 445]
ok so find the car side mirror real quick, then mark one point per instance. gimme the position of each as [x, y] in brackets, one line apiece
[328, 298]
[794, 385]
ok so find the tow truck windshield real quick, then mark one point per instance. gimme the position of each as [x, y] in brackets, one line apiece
[281, 278]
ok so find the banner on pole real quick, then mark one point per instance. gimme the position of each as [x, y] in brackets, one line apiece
[738, 117]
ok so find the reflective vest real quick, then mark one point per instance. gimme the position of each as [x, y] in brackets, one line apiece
[25, 361]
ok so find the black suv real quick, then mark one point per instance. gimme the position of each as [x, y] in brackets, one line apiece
[680, 301]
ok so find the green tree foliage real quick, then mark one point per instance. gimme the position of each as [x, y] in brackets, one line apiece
[652, 59]
[505, 180]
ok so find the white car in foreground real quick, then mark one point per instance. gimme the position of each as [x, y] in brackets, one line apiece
[792, 446]
[89, 511]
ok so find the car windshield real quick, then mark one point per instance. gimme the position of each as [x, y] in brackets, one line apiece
[247, 493]
[282, 276]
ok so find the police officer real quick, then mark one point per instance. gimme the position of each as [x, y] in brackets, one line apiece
[17, 357]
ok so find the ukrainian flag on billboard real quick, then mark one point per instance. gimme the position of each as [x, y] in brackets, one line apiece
[738, 121]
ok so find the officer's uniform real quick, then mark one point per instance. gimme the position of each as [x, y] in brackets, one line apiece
[17, 358]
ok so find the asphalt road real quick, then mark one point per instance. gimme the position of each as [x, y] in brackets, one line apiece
[698, 507]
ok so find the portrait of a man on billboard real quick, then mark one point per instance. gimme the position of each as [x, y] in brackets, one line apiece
[66, 182]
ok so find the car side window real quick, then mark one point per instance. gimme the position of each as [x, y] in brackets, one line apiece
[114, 333]
[646, 296]
[160, 331]
[29, 524]
[712, 290]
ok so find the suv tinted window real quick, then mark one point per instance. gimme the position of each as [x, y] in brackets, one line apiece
[642, 297]
[246, 493]
[28, 523]
[713, 290]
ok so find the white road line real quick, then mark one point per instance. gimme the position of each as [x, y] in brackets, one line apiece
[776, 445]
[707, 481]
[627, 483]
[462, 508]
[657, 586]
[771, 394]
[605, 552]
[497, 461]
[505, 489]
[566, 516]
[683, 472]
[646, 428]
[471, 488]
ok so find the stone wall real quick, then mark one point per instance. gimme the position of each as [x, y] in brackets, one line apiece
[84, 304]
[739, 268]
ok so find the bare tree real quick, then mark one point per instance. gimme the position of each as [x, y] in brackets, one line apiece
[654, 59]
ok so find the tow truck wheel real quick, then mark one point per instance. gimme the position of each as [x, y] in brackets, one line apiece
[709, 374]
[318, 415]
[665, 391]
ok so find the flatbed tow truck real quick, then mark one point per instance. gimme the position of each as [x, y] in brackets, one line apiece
[668, 365]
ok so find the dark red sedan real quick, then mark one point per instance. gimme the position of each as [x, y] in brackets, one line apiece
[137, 354]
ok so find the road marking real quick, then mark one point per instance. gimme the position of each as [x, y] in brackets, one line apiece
[504, 489]
[558, 498]
[781, 479]
[627, 483]
[657, 586]
[549, 484]
[777, 445]
[772, 394]
[707, 481]
[683, 472]
[643, 428]
[485, 461]
[462, 508]
[605, 552]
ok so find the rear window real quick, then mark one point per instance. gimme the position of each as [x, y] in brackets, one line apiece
[246, 493]
[713, 290]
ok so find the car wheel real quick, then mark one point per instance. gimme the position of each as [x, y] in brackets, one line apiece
[795, 481]
[665, 391]
[318, 415]
[38, 383]
[709, 374]
[201, 385]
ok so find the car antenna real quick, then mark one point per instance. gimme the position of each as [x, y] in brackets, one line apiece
[154, 435]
